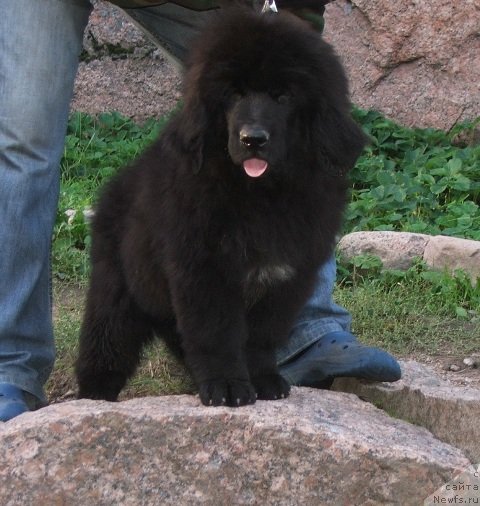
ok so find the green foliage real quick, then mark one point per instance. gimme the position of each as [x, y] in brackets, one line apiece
[407, 179]
[459, 293]
[358, 268]
[406, 317]
[414, 180]
[95, 148]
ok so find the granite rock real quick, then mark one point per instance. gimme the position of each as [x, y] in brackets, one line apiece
[416, 62]
[314, 448]
[450, 412]
[397, 250]
[451, 253]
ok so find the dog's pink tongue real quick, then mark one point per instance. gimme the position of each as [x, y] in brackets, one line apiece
[255, 167]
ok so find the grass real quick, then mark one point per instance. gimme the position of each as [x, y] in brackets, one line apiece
[407, 179]
[159, 373]
[409, 316]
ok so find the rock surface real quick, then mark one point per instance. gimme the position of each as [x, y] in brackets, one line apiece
[398, 250]
[416, 62]
[442, 252]
[123, 71]
[451, 413]
[315, 448]
[463, 489]
[139, 88]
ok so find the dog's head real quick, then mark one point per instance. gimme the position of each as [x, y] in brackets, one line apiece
[258, 128]
[271, 91]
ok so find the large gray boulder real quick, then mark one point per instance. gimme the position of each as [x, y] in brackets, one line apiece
[314, 448]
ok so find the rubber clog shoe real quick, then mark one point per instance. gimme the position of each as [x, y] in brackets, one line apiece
[12, 402]
[339, 354]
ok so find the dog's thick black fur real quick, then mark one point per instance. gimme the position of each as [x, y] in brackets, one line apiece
[215, 235]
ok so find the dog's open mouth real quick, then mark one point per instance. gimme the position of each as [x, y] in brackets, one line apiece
[255, 167]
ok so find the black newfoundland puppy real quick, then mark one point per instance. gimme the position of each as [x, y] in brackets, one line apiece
[214, 236]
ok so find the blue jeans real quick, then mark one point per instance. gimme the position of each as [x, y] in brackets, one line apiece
[39, 46]
[319, 317]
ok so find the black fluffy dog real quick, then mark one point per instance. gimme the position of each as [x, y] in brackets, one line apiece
[214, 236]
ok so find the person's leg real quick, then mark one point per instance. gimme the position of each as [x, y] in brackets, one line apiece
[319, 317]
[171, 27]
[321, 346]
[39, 47]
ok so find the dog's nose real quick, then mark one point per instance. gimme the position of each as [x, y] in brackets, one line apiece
[253, 137]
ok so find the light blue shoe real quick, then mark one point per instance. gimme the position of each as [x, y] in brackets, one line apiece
[339, 354]
[12, 402]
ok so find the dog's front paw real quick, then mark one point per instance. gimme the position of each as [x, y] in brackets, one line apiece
[271, 386]
[226, 392]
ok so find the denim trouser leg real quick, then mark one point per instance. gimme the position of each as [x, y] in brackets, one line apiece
[171, 27]
[39, 46]
[319, 317]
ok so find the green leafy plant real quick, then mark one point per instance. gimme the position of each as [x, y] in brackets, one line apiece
[407, 179]
[414, 180]
[359, 268]
[95, 148]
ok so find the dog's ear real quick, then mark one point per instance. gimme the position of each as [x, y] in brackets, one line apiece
[337, 140]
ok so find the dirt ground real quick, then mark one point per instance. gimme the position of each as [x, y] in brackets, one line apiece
[442, 364]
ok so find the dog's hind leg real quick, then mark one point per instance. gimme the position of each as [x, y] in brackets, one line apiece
[113, 333]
